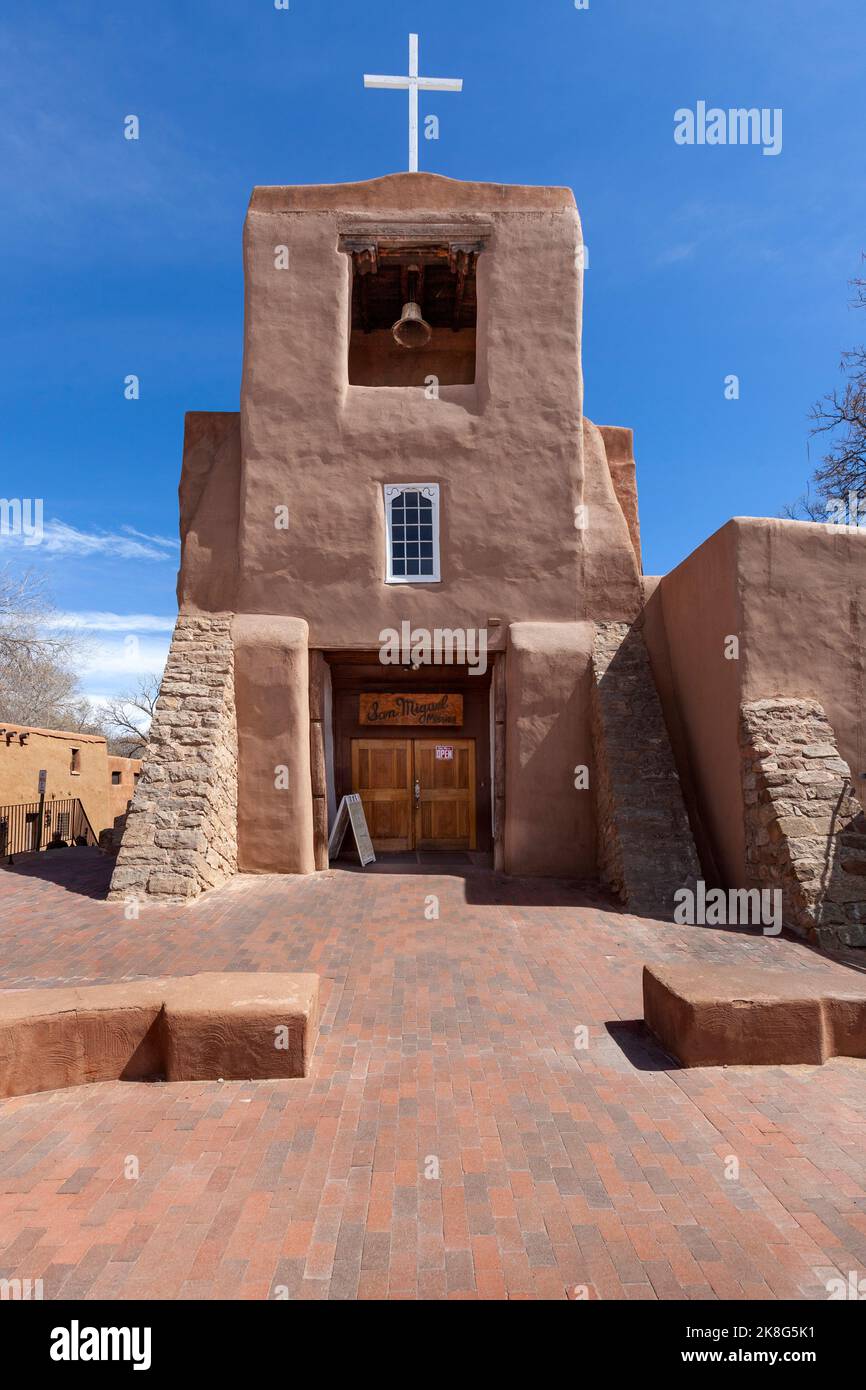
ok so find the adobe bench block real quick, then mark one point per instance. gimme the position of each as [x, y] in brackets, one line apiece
[714, 1016]
[236, 1027]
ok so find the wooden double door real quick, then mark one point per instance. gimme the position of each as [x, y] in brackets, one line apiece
[418, 793]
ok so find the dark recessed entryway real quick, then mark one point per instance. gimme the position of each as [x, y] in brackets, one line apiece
[425, 786]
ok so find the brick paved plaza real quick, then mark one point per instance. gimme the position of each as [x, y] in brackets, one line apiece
[448, 1041]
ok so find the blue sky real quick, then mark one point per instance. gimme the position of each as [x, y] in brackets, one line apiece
[124, 257]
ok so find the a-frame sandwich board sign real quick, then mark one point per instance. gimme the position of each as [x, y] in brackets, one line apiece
[351, 812]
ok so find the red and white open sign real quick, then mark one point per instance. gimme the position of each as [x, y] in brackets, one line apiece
[444, 752]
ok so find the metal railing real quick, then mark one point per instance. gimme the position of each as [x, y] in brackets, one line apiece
[29, 826]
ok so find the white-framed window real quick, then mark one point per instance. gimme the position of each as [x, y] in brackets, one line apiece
[412, 533]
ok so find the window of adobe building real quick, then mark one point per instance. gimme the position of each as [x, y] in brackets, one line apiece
[75, 762]
[412, 530]
[115, 779]
[414, 309]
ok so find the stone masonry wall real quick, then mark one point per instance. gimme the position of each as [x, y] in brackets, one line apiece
[645, 846]
[181, 832]
[805, 828]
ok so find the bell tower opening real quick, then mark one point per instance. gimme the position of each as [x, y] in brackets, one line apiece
[414, 307]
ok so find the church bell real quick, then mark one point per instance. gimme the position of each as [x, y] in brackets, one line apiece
[411, 330]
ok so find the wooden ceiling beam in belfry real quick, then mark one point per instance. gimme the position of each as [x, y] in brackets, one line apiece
[383, 269]
[407, 250]
[365, 257]
[462, 262]
[413, 255]
[365, 263]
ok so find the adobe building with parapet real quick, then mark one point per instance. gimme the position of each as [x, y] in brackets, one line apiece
[411, 568]
[60, 787]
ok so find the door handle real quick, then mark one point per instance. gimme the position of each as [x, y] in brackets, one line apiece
[417, 794]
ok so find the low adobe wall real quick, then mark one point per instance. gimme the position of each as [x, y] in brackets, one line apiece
[231, 1027]
[730, 1016]
[793, 595]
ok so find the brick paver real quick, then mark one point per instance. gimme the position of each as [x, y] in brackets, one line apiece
[451, 1141]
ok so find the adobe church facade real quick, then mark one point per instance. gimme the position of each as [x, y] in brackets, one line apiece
[411, 568]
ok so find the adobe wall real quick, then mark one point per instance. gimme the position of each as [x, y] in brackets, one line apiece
[652, 625]
[275, 804]
[549, 822]
[209, 498]
[645, 846]
[793, 593]
[619, 448]
[120, 795]
[700, 608]
[609, 587]
[804, 587]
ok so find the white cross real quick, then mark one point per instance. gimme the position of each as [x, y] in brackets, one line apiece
[414, 84]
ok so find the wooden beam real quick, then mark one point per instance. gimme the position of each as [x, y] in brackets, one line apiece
[365, 254]
[365, 262]
[463, 260]
[499, 765]
[318, 770]
[364, 301]
[354, 231]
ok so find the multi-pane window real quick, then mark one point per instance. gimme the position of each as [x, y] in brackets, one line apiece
[412, 523]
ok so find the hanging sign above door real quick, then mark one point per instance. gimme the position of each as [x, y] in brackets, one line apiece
[443, 711]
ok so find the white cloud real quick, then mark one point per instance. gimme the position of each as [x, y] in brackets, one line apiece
[157, 540]
[112, 622]
[59, 538]
[128, 659]
[62, 539]
[134, 645]
[117, 664]
[683, 252]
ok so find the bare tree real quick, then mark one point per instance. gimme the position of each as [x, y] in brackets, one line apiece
[25, 612]
[125, 715]
[841, 416]
[38, 682]
[805, 508]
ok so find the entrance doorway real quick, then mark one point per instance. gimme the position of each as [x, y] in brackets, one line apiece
[411, 712]
[417, 793]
